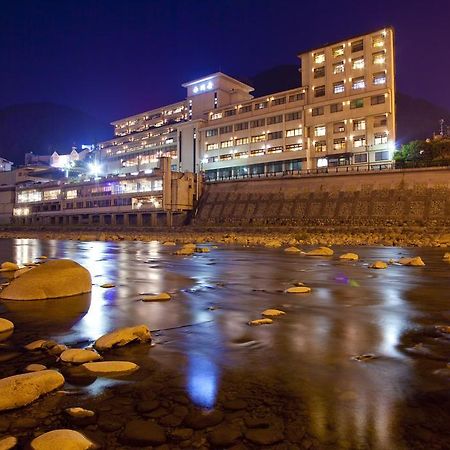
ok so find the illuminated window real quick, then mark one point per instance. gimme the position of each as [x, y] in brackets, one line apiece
[258, 138]
[212, 146]
[339, 127]
[320, 130]
[319, 57]
[378, 41]
[339, 87]
[379, 58]
[229, 112]
[319, 91]
[242, 141]
[358, 63]
[52, 195]
[212, 132]
[226, 144]
[226, 157]
[358, 83]
[360, 158]
[216, 116]
[319, 72]
[296, 97]
[294, 132]
[29, 196]
[320, 146]
[339, 67]
[338, 51]
[71, 194]
[339, 144]
[357, 46]
[319, 111]
[359, 125]
[294, 147]
[380, 138]
[261, 105]
[278, 149]
[258, 152]
[379, 78]
[359, 141]
[241, 155]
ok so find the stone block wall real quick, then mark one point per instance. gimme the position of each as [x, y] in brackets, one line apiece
[412, 197]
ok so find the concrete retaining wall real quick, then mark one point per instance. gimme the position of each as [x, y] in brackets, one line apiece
[394, 197]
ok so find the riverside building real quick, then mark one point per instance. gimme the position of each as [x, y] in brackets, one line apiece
[341, 114]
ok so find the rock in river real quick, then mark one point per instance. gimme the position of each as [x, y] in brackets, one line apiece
[298, 290]
[417, 261]
[53, 279]
[9, 266]
[79, 355]
[378, 265]
[321, 251]
[162, 297]
[8, 442]
[6, 325]
[272, 313]
[62, 440]
[143, 433]
[123, 336]
[111, 367]
[260, 322]
[20, 390]
[349, 257]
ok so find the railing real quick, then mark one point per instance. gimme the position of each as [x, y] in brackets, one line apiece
[306, 172]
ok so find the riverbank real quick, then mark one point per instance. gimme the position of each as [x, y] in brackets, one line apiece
[272, 237]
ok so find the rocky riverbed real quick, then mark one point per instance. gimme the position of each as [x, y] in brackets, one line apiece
[359, 359]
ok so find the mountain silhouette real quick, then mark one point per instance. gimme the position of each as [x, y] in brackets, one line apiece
[42, 128]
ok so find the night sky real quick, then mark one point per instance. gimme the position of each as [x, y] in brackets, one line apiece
[116, 58]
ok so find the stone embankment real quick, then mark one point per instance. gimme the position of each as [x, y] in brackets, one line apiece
[364, 236]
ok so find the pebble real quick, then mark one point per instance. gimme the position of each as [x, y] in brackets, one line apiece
[35, 367]
[182, 434]
[224, 435]
[146, 406]
[298, 290]
[257, 322]
[143, 432]
[273, 313]
[8, 443]
[203, 419]
[162, 297]
[264, 436]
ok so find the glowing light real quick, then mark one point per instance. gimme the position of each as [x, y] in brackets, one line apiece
[94, 169]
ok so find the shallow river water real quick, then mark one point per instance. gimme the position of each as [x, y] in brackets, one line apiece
[300, 369]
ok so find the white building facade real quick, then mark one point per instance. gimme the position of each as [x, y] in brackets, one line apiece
[341, 114]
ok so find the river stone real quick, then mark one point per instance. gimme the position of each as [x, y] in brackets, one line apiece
[224, 435]
[272, 313]
[146, 406]
[111, 367]
[8, 443]
[298, 290]
[321, 251]
[235, 405]
[123, 336]
[203, 419]
[20, 390]
[257, 322]
[78, 355]
[349, 256]
[201, 250]
[378, 265]
[292, 250]
[36, 345]
[273, 243]
[164, 296]
[181, 434]
[62, 440]
[264, 436]
[144, 432]
[447, 256]
[8, 266]
[6, 325]
[35, 367]
[185, 251]
[169, 243]
[58, 278]
[417, 261]
[79, 412]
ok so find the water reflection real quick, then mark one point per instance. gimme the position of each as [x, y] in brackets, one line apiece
[53, 314]
[202, 380]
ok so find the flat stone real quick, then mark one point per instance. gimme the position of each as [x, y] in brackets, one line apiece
[292, 250]
[111, 367]
[257, 322]
[417, 261]
[264, 436]
[35, 345]
[35, 367]
[321, 251]
[144, 432]
[378, 265]
[78, 355]
[224, 435]
[8, 266]
[24, 423]
[146, 406]
[62, 440]
[298, 290]
[349, 257]
[203, 419]
[110, 424]
[6, 325]
[272, 313]
[182, 434]
[8, 443]
[20, 390]
[123, 336]
[171, 420]
[162, 297]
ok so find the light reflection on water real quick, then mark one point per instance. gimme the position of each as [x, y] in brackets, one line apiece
[351, 311]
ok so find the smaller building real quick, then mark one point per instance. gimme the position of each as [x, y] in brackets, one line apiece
[159, 198]
[5, 165]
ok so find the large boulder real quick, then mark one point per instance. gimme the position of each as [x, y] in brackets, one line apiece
[53, 279]
[111, 367]
[417, 261]
[20, 390]
[78, 355]
[62, 440]
[123, 336]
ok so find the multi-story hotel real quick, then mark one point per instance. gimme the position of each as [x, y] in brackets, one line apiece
[342, 114]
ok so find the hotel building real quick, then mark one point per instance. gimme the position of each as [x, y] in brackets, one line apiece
[341, 114]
